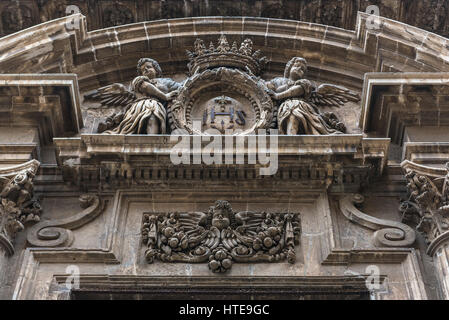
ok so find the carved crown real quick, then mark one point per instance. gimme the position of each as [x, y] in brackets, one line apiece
[242, 57]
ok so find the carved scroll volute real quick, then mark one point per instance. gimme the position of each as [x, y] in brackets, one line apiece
[387, 233]
[57, 233]
[17, 202]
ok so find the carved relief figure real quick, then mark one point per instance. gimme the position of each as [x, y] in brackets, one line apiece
[144, 111]
[298, 112]
[221, 236]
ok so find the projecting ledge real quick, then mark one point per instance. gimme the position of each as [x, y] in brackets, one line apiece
[88, 145]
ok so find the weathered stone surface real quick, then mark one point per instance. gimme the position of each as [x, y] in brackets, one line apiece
[17, 15]
[136, 193]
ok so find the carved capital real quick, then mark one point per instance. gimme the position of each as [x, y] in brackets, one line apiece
[220, 237]
[17, 203]
[427, 206]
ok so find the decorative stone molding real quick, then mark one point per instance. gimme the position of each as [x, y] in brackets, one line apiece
[49, 102]
[243, 90]
[211, 287]
[330, 52]
[57, 233]
[15, 153]
[17, 202]
[428, 202]
[387, 233]
[426, 153]
[391, 102]
[143, 160]
[221, 237]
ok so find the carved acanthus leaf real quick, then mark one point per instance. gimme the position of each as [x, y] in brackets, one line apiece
[17, 202]
[428, 202]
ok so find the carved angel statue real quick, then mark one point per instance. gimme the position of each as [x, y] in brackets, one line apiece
[221, 237]
[300, 99]
[143, 102]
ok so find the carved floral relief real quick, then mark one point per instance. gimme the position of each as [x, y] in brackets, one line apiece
[220, 237]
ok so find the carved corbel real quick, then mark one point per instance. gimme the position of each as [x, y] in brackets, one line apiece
[57, 233]
[17, 202]
[387, 233]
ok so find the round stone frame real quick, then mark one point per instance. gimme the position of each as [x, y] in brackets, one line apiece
[251, 87]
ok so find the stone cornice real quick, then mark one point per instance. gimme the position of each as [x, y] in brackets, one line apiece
[88, 145]
[396, 83]
[332, 53]
[435, 153]
[423, 170]
[308, 162]
[17, 153]
[48, 102]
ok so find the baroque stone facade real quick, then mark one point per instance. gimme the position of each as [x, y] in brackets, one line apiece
[287, 154]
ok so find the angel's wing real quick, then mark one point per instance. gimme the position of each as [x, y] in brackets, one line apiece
[115, 94]
[192, 222]
[332, 96]
[249, 222]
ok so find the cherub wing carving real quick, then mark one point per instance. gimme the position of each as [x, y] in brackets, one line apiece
[265, 236]
[112, 95]
[329, 95]
[193, 223]
[220, 237]
[171, 236]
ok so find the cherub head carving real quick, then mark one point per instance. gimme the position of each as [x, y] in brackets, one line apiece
[222, 214]
[295, 68]
[149, 67]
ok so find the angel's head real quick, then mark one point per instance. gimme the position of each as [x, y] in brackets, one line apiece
[295, 68]
[222, 214]
[149, 67]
